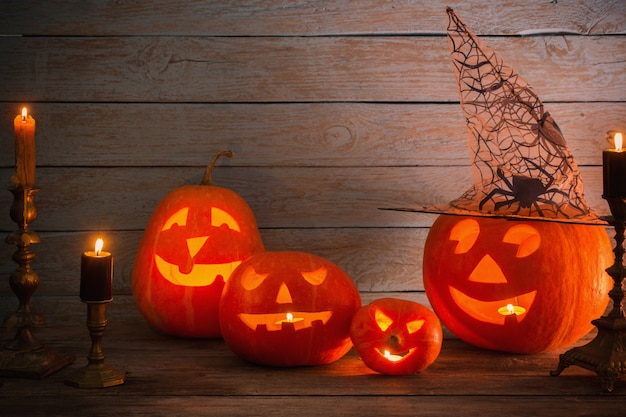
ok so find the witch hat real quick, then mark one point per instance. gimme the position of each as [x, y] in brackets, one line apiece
[521, 164]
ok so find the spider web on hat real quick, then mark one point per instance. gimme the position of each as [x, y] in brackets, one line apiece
[522, 166]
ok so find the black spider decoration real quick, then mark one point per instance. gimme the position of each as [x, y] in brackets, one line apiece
[526, 191]
[521, 164]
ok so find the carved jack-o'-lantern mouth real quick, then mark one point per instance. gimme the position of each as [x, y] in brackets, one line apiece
[396, 356]
[488, 311]
[488, 272]
[297, 320]
[294, 320]
[199, 276]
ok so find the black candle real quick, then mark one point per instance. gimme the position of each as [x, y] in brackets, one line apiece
[96, 275]
[614, 170]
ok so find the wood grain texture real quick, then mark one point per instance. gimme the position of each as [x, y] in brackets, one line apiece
[333, 108]
[378, 260]
[301, 197]
[286, 134]
[293, 69]
[167, 376]
[316, 405]
[68, 310]
[307, 18]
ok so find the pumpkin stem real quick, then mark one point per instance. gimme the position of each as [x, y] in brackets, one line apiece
[208, 174]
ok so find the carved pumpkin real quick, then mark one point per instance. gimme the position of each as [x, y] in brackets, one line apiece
[516, 286]
[288, 309]
[396, 337]
[196, 237]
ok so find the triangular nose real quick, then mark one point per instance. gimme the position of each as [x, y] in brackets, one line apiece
[194, 244]
[283, 297]
[487, 271]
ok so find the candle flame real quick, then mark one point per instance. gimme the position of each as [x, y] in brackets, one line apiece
[289, 317]
[618, 141]
[512, 309]
[390, 357]
[99, 245]
[24, 114]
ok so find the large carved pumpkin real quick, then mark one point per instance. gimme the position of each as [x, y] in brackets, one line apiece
[516, 286]
[396, 337]
[288, 309]
[196, 237]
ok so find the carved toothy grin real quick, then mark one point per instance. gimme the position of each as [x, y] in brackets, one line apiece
[276, 321]
[396, 356]
[200, 275]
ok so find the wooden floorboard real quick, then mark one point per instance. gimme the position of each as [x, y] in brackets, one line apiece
[313, 406]
[168, 376]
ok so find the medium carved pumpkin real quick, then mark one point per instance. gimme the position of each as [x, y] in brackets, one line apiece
[517, 286]
[396, 337]
[196, 237]
[288, 309]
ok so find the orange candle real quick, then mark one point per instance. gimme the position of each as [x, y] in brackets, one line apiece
[96, 275]
[24, 127]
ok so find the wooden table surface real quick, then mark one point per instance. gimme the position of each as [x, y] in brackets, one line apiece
[175, 377]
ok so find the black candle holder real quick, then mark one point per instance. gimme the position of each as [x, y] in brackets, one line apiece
[606, 353]
[24, 355]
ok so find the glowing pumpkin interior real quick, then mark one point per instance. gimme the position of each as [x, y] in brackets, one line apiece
[501, 284]
[488, 271]
[290, 320]
[195, 239]
[395, 336]
[288, 309]
[187, 267]
[384, 322]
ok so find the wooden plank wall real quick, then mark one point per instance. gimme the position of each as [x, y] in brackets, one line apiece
[333, 108]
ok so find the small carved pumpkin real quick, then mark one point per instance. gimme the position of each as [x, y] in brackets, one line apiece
[288, 309]
[517, 286]
[396, 337]
[196, 237]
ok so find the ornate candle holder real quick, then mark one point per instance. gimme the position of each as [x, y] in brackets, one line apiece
[96, 374]
[606, 353]
[24, 355]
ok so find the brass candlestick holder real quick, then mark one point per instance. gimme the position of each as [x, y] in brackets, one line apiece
[24, 355]
[606, 353]
[96, 374]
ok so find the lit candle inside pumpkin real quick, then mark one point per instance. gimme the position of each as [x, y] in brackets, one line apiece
[96, 275]
[510, 309]
[390, 357]
[24, 129]
[614, 169]
[289, 318]
[510, 313]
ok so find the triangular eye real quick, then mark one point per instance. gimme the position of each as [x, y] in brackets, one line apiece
[250, 279]
[382, 320]
[465, 232]
[179, 218]
[220, 217]
[527, 237]
[315, 277]
[414, 325]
